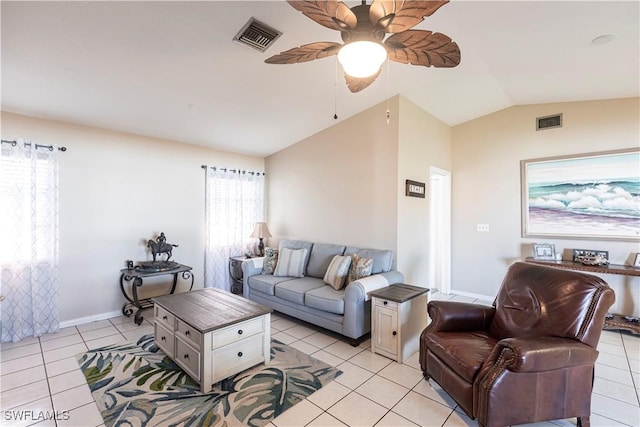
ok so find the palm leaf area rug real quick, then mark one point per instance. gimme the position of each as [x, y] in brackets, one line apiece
[138, 385]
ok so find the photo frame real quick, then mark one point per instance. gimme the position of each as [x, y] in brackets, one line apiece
[583, 196]
[415, 189]
[580, 254]
[636, 262]
[544, 251]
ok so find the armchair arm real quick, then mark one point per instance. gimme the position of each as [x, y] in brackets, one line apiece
[544, 353]
[450, 316]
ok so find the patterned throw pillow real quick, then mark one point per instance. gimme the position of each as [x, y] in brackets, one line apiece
[360, 267]
[291, 262]
[270, 260]
[337, 271]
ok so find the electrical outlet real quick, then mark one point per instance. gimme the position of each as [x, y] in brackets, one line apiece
[483, 228]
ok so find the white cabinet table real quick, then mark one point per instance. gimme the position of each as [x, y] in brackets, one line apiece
[212, 334]
[398, 316]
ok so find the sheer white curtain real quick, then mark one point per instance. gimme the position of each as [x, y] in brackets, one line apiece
[234, 202]
[29, 235]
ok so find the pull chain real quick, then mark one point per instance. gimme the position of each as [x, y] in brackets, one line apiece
[388, 110]
[335, 93]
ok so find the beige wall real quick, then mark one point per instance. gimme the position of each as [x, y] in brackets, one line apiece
[339, 185]
[423, 142]
[486, 187]
[116, 191]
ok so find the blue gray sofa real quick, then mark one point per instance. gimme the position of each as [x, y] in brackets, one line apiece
[346, 311]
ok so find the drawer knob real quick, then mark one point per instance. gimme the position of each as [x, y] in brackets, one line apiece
[394, 333]
[164, 317]
[239, 331]
[239, 354]
[163, 338]
[186, 356]
[385, 303]
[187, 333]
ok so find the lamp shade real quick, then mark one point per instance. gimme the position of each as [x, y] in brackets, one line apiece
[362, 58]
[261, 230]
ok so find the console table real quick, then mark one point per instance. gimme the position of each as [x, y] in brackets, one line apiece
[618, 321]
[136, 278]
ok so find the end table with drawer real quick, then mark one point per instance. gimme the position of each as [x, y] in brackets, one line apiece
[398, 317]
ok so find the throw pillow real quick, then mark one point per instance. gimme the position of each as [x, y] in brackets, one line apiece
[337, 271]
[291, 262]
[360, 267]
[270, 260]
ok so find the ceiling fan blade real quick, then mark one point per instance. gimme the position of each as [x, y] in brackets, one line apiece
[357, 84]
[331, 14]
[305, 53]
[395, 16]
[418, 47]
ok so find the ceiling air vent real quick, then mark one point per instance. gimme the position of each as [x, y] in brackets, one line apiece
[257, 35]
[549, 122]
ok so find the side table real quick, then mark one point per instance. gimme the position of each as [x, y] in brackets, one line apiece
[136, 278]
[398, 316]
[235, 271]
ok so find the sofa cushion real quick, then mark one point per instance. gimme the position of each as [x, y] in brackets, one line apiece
[265, 283]
[291, 262]
[270, 260]
[382, 259]
[320, 257]
[360, 267]
[297, 244]
[326, 299]
[293, 290]
[337, 272]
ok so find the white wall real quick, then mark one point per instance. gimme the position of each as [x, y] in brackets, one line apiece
[116, 191]
[339, 185]
[423, 142]
[486, 187]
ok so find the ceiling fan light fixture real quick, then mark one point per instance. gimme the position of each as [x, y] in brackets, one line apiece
[362, 58]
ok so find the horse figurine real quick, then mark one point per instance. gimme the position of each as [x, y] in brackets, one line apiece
[160, 246]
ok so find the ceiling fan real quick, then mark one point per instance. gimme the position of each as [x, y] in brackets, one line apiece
[365, 27]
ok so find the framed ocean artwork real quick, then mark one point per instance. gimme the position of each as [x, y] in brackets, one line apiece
[585, 196]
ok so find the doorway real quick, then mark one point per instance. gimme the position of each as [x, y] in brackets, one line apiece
[440, 230]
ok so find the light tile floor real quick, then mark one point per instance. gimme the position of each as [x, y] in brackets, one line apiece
[41, 376]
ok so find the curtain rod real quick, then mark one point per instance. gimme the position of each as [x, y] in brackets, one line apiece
[28, 144]
[233, 170]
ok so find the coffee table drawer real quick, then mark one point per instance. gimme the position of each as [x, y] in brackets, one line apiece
[167, 319]
[164, 339]
[237, 332]
[188, 333]
[238, 356]
[188, 358]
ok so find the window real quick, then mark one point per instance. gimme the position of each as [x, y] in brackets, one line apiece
[234, 203]
[29, 229]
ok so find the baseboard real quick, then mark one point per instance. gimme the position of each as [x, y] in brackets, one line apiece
[87, 319]
[475, 296]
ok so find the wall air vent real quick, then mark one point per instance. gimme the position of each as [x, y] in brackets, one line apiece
[257, 35]
[549, 122]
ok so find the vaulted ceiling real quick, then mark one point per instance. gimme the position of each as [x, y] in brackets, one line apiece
[171, 70]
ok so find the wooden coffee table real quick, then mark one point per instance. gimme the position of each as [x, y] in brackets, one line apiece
[212, 334]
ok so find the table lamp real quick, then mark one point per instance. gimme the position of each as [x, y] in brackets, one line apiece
[260, 231]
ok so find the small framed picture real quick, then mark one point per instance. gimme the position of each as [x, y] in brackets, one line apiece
[636, 262]
[544, 251]
[579, 255]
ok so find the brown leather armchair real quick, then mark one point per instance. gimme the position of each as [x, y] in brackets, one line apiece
[528, 358]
